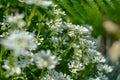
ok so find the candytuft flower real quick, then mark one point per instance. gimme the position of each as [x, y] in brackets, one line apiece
[11, 69]
[54, 75]
[16, 19]
[45, 59]
[19, 42]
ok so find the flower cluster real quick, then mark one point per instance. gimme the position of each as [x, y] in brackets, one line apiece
[49, 48]
[16, 19]
[19, 42]
[54, 75]
[45, 59]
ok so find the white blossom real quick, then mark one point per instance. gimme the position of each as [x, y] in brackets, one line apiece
[86, 43]
[59, 12]
[98, 59]
[19, 42]
[23, 61]
[45, 59]
[107, 68]
[16, 19]
[75, 66]
[104, 67]
[80, 29]
[94, 78]
[54, 75]
[102, 76]
[11, 69]
[56, 25]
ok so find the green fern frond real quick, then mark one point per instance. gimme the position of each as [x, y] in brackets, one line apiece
[92, 12]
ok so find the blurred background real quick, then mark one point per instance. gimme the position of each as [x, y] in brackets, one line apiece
[104, 16]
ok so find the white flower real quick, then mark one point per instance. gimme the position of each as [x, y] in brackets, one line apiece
[87, 43]
[38, 2]
[99, 59]
[23, 61]
[75, 66]
[92, 52]
[11, 69]
[19, 42]
[98, 78]
[104, 67]
[102, 76]
[45, 59]
[71, 33]
[55, 41]
[78, 52]
[59, 12]
[100, 67]
[77, 29]
[86, 60]
[69, 25]
[107, 68]
[54, 75]
[56, 25]
[83, 30]
[16, 19]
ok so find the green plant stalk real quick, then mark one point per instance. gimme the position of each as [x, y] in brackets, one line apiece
[3, 50]
[70, 45]
[39, 27]
[42, 72]
[31, 15]
[60, 44]
[33, 75]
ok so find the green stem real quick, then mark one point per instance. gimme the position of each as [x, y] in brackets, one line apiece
[39, 27]
[33, 75]
[42, 72]
[70, 45]
[3, 51]
[32, 12]
[61, 42]
[31, 15]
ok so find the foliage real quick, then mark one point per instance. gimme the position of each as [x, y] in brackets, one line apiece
[92, 12]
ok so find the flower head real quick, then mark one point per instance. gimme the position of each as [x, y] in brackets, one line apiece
[11, 69]
[54, 75]
[75, 66]
[16, 19]
[45, 59]
[19, 42]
